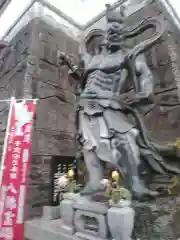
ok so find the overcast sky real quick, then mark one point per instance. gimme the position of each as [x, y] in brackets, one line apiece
[79, 11]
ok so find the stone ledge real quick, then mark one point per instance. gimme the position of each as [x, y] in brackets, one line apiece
[51, 213]
[39, 229]
[87, 237]
[96, 207]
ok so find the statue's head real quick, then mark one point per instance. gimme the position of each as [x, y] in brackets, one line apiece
[115, 27]
[93, 41]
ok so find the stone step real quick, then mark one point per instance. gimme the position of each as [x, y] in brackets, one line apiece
[51, 212]
[39, 229]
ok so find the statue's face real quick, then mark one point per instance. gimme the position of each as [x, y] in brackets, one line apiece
[115, 33]
[93, 47]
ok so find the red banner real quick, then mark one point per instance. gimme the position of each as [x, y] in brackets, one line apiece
[15, 169]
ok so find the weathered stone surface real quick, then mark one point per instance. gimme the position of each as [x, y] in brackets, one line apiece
[67, 216]
[55, 136]
[29, 69]
[39, 188]
[58, 142]
[161, 118]
[84, 218]
[45, 230]
[157, 220]
[80, 220]
[51, 213]
[53, 40]
[85, 204]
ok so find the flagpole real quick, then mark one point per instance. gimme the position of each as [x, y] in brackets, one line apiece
[5, 140]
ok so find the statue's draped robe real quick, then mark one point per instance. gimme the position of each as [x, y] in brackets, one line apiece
[102, 117]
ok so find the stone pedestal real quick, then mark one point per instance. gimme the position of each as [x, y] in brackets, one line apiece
[90, 219]
[87, 219]
[51, 213]
[67, 213]
[121, 220]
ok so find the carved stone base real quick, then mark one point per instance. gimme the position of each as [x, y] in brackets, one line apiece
[87, 219]
[51, 213]
[158, 220]
[67, 213]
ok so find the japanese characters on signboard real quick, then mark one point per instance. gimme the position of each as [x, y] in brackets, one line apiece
[15, 172]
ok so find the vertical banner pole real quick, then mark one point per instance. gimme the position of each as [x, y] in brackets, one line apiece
[6, 140]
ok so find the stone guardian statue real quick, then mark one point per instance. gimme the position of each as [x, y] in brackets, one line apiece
[105, 132]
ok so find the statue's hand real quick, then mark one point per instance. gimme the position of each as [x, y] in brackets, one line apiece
[62, 58]
[78, 91]
[144, 97]
[141, 95]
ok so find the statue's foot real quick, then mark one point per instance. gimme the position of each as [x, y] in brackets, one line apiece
[144, 194]
[141, 193]
[90, 189]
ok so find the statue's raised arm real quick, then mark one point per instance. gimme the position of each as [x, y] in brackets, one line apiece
[76, 71]
[145, 79]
